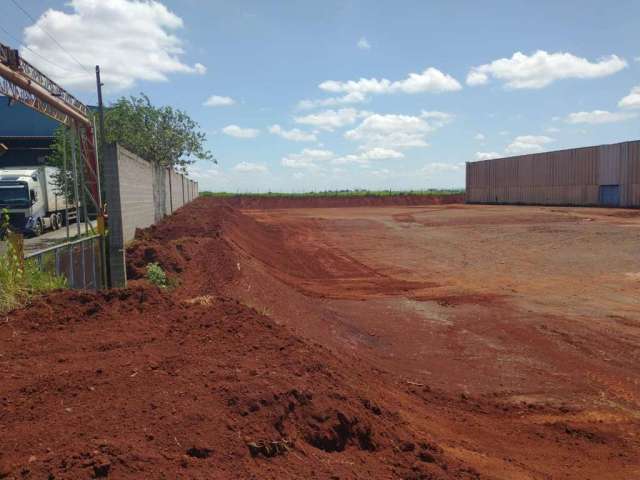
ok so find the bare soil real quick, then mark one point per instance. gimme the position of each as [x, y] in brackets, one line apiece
[268, 202]
[409, 342]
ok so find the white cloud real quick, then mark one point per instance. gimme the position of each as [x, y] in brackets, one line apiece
[632, 100]
[552, 130]
[430, 80]
[218, 101]
[357, 91]
[487, 155]
[528, 144]
[480, 137]
[238, 132]
[295, 134]
[397, 131]
[364, 157]
[130, 40]
[599, 116]
[440, 167]
[504, 132]
[363, 44]
[331, 119]
[541, 69]
[308, 158]
[249, 167]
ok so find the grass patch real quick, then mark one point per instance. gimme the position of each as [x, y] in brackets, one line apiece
[20, 280]
[337, 193]
[157, 276]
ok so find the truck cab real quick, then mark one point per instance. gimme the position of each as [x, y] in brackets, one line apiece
[23, 194]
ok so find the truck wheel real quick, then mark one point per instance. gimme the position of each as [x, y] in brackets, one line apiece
[37, 231]
[55, 222]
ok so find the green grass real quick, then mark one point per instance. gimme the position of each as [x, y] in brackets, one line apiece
[156, 275]
[19, 282]
[336, 193]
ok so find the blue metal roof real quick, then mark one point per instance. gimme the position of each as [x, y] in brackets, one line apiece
[20, 121]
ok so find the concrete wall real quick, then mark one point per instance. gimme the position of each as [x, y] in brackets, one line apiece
[565, 177]
[138, 194]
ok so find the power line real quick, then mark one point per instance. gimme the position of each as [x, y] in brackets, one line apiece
[50, 36]
[44, 59]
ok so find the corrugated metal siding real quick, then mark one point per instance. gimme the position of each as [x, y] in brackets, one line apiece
[566, 177]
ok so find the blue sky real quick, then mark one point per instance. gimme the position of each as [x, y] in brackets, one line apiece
[489, 79]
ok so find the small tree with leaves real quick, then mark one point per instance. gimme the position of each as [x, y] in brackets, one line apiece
[161, 135]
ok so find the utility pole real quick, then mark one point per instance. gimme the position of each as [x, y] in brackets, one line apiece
[106, 277]
[99, 85]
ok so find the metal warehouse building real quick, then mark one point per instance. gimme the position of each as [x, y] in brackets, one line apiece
[607, 175]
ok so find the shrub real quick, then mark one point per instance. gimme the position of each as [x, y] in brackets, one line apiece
[156, 275]
[21, 280]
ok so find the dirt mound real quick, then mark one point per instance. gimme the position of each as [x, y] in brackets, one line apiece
[232, 237]
[267, 202]
[144, 383]
[192, 383]
[136, 384]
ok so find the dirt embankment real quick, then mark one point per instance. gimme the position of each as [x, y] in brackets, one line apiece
[266, 202]
[191, 383]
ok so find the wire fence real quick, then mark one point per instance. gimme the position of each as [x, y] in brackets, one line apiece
[78, 261]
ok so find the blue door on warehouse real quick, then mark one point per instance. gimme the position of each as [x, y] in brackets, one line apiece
[609, 195]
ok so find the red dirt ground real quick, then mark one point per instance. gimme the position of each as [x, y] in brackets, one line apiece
[378, 343]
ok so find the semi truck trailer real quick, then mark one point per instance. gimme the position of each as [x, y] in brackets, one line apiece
[33, 200]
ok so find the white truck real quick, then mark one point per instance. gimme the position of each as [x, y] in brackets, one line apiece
[33, 200]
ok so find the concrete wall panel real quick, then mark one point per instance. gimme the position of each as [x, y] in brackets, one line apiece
[136, 193]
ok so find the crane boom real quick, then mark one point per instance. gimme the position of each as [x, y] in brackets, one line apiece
[25, 83]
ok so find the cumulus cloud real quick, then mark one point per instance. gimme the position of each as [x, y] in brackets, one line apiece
[366, 155]
[331, 119]
[295, 134]
[632, 100]
[357, 91]
[307, 158]
[363, 44]
[239, 132]
[397, 131]
[430, 80]
[218, 101]
[249, 167]
[599, 116]
[487, 155]
[528, 144]
[542, 68]
[130, 40]
[479, 136]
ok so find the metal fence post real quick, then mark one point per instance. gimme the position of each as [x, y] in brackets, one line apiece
[76, 193]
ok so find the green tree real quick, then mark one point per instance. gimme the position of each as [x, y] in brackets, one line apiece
[161, 135]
